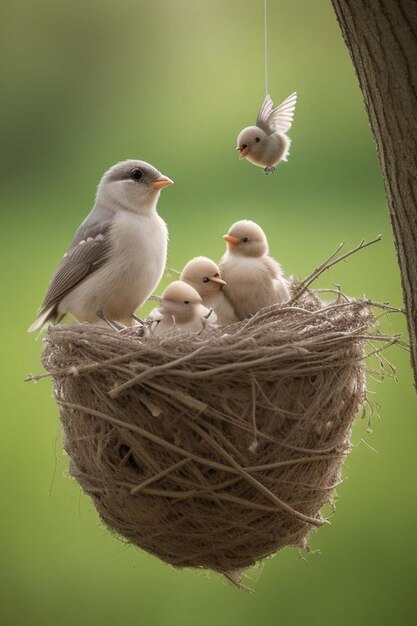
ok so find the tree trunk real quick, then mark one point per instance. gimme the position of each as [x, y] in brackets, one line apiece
[381, 36]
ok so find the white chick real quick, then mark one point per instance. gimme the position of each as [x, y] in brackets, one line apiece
[267, 144]
[182, 310]
[118, 254]
[204, 275]
[254, 279]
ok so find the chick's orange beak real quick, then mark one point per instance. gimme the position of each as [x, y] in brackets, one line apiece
[232, 240]
[217, 279]
[243, 152]
[162, 182]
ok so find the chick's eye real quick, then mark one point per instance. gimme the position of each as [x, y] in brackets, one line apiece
[257, 139]
[206, 279]
[245, 239]
[136, 174]
[186, 302]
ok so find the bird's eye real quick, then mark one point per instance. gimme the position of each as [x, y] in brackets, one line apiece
[206, 279]
[186, 302]
[245, 239]
[244, 145]
[257, 139]
[136, 174]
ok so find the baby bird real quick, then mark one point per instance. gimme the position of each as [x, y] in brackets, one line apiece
[182, 310]
[266, 144]
[118, 254]
[203, 274]
[253, 278]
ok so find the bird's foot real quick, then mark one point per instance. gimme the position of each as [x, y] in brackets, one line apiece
[205, 321]
[155, 324]
[207, 315]
[136, 318]
[113, 325]
[269, 170]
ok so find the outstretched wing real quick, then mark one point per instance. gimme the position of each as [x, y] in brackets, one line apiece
[277, 119]
[81, 260]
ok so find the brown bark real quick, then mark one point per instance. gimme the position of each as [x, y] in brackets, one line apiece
[381, 36]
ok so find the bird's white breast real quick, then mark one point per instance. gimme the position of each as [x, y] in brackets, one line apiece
[139, 248]
[270, 151]
[249, 284]
[221, 306]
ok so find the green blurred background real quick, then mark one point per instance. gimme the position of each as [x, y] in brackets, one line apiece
[87, 83]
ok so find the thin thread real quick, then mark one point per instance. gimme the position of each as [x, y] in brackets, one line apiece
[266, 45]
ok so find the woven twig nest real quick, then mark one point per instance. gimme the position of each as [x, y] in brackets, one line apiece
[213, 450]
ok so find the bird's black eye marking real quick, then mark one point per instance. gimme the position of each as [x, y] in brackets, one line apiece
[206, 279]
[186, 302]
[245, 239]
[136, 174]
[257, 139]
[245, 145]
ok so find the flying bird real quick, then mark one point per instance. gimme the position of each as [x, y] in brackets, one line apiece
[253, 279]
[118, 254]
[267, 143]
[204, 275]
[181, 310]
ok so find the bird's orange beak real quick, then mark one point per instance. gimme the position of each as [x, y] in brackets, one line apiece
[232, 240]
[243, 152]
[162, 182]
[217, 279]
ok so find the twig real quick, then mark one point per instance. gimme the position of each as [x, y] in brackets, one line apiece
[155, 298]
[308, 459]
[328, 264]
[378, 350]
[253, 446]
[83, 369]
[339, 293]
[385, 306]
[116, 391]
[171, 269]
[151, 437]
[161, 474]
[260, 487]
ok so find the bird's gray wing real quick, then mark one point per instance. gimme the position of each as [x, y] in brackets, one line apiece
[83, 258]
[92, 225]
[277, 119]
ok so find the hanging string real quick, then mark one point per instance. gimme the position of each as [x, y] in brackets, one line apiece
[266, 45]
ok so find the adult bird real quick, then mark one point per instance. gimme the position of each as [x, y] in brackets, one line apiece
[267, 143]
[118, 254]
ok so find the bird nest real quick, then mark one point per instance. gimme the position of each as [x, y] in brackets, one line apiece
[214, 450]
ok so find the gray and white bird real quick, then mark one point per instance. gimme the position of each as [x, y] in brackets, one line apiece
[118, 254]
[254, 279]
[204, 275]
[267, 143]
[181, 310]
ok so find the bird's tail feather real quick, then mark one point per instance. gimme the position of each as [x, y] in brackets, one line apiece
[41, 320]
